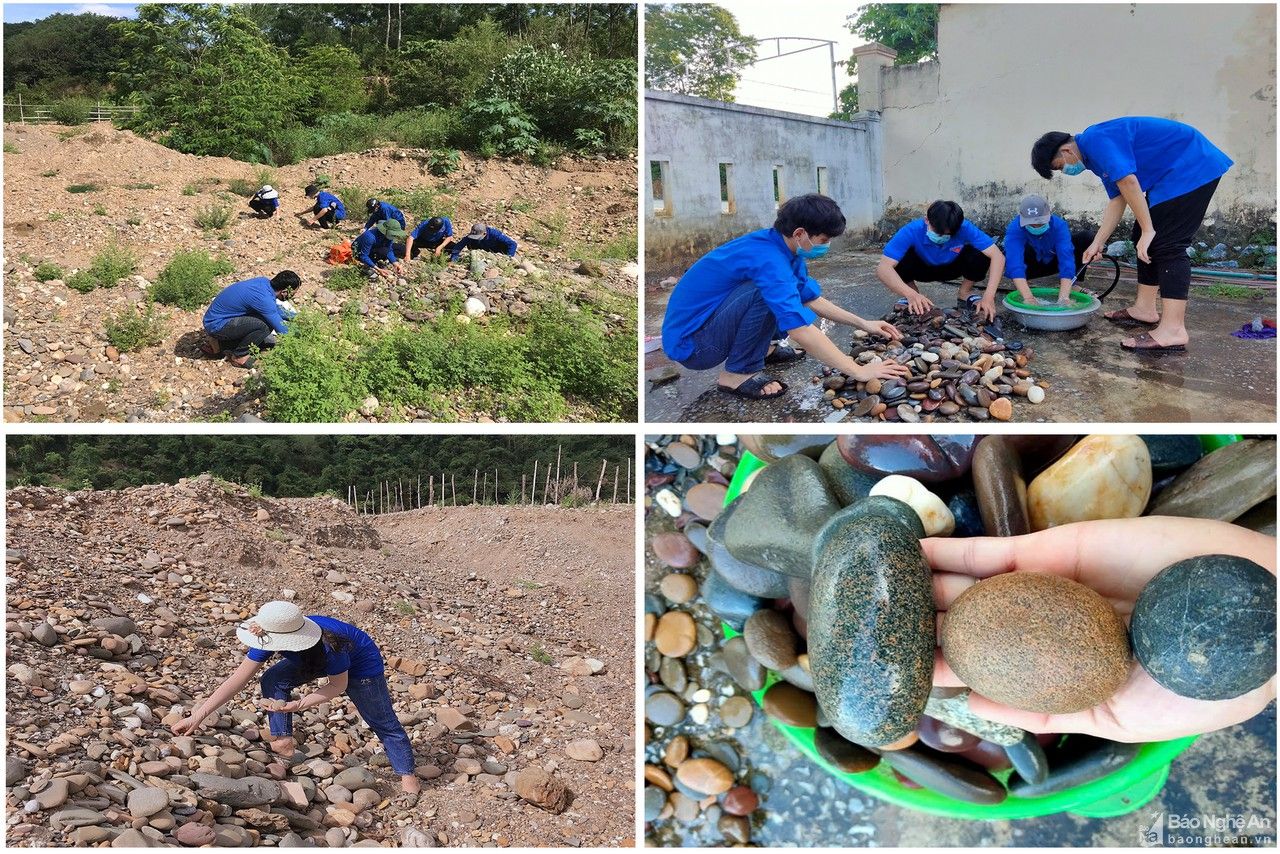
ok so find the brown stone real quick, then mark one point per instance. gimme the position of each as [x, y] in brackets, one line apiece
[740, 800]
[674, 549]
[706, 776]
[1001, 409]
[676, 634]
[706, 500]
[791, 705]
[679, 587]
[542, 789]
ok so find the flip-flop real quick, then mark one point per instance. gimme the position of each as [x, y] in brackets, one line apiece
[1122, 317]
[751, 388]
[782, 354]
[248, 363]
[211, 346]
[1146, 344]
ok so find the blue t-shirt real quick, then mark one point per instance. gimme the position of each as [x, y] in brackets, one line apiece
[371, 246]
[1168, 157]
[250, 298]
[914, 235]
[325, 199]
[385, 210]
[761, 258]
[432, 238]
[275, 203]
[493, 241]
[1055, 241]
[361, 661]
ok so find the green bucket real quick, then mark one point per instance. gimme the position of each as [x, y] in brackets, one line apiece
[1078, 300]
[1126, 789]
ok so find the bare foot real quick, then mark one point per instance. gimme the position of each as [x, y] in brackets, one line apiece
[410, 783]
[283, 745]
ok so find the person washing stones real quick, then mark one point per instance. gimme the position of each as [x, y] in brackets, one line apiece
[375, 248]
[265, 202]
[248, 314]
[939, 248]
[486, 238]
[379, 210]
[1038, 242]
[312, 647]
[1165, 172]
[738, 303]
[434, 234]
[327, 211]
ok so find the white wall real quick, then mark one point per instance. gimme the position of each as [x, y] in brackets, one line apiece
[695, 135]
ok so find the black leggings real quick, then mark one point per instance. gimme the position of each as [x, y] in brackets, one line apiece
[263, 206]
[1176, 222]
[969, 264]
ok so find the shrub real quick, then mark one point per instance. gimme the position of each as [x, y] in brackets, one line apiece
[188, 190]
[444, 162]
[47, 270]
[145, 185]
[83, 188]
[353, 199]
[430, 129]
[346, 278]
[82, 281]
[10, 148]
[242, 186]
[213, 217]
[306, 375]
[134, 328]
[420, 202]
[112, 264]
[502, 126]
[71, 111]
[187, 280]
[100, 209]
[585, 360]
[54, 216]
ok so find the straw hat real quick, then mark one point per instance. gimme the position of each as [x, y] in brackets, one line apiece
[282, 628]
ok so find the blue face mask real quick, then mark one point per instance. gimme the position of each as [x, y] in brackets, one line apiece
[815, 250]
[1038, 229]
[938, 239]
[1073, 168]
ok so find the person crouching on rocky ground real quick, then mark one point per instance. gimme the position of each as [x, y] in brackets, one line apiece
[248, 314]
[313, 647]
[380, 210]
[434, 234]
[265, 202]
[485, 238]
[376, 247]
[327, 211]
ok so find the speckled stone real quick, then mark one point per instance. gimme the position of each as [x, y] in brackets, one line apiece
[771, 639]
[740, 574]
[780, 515]
[1001, 488]
[930, 459]
[847, 483]
[789, 704]
[1172, 454]
[842, 753]
[1224, 484]
[1081, 759]
[1101, 477]
[871, 627]
[1037, 642]
[772, 448]
[1206, 627]
[947, 774]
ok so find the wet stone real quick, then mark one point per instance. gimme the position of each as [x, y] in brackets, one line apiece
[944, 737]
[736, 712]
[780, 515]
[1101, 477]
[731, 605]
[744, 670]
[947, 774]
[672, 674]
[1081, 759]
[1223, 484]
[842, 753]
[663, 709]
[790, 705]
[1172, 454]
[739, 574]
[771, 639]
[675, 550]
[705, 776]
[740, 800]
[1001, 488]
[927, 459]
[654, 800]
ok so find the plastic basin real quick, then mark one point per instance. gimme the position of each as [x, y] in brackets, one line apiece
[1052, 318]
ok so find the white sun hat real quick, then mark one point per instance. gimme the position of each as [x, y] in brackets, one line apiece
[282, 627]
[269, 192]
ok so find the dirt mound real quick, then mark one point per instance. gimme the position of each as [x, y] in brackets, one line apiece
[147, 196]
[122, 607]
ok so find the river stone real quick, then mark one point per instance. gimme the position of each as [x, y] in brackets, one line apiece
[772, 448]
[933, 512]
[1262, 518]
[953, 709]
[872, 631]
[946, 774]
[1102, 477]
[1172, 454]
[945, 737]
[675, 550]
[654, 800]
[706, 500]
[735, 829]
[929, 459]
[843, 754]
[736, 712]
[194, 834]
[1205, 627]
[739, 574]
[1080, 759]
[771, 639]
[964, 508]
[740, 800]
[1224, 484]
[676, 634]
[1001, 488]
[147, 801]
[705, 776]
[679, 587]
[1037, 642]
[1038, 452]
[237, 793]
[780, 515]
[847, 483]
[787, 703]
[1028, 758]
[672, 674]
[15, 770]
[663, 708]
[732, 606]
[685, 456]
[742, 668]
[73, 817]
[799, 677]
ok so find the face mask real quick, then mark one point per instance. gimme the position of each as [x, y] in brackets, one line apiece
[815, 250]
[939, 239]
[1038, 229]
[1073, 168]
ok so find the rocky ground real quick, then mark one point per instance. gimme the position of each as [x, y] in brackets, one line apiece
[508, 651]
[59, 365]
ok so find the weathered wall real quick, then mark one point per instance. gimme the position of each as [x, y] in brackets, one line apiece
[962, 126]
[696, 135]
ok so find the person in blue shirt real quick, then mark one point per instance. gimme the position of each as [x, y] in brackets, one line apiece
[310, 648]
[378, 211]
[327, 211]
[939, 248]
[737, 303]
[435, 234]
[485, 238]
[247, 314]
[1039, 243]
[265, 202]
[375, 248]
[1165, 172]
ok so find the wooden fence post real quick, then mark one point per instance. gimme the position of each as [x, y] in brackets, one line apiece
[617, 470]
[628, 480]
[559, 448]
[599, 483]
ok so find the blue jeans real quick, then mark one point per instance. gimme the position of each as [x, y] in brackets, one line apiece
[738, 333]
[372, 701]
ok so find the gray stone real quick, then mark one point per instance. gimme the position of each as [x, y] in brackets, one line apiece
[45, 634]
[245, 792]
[355, 778]
[15, 770]
[121, 626]
[147, 801]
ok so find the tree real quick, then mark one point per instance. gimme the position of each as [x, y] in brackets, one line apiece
[695, 49]
[909, 28]
[330, 76]
[60, 53]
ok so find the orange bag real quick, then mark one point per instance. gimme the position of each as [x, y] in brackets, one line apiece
[340, 253]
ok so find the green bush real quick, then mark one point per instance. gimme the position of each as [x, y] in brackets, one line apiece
[134, 328]
[242, 186]
[100, 209]
[307, 375]
[83, 188]
[443, 163]
[72, 111]
[82, 281]
[188, 280]
[346, 278]
[420, 202]
[586, 362]
[502, 126]
[47, 270]
[112, 264]
[353, 199]
[213, 217]
[424, 128]
[10, 148]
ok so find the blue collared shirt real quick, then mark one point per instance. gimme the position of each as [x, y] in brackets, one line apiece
[325, 199]
[1168, 158]
[371, 246]
[250, 298]
[361, 661]
[432, 238]
[1055, 241]
[914, 235]
[385, 210]
[493, 241]
[761, 258]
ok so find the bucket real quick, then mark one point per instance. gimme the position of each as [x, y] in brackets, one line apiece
[1124, 790]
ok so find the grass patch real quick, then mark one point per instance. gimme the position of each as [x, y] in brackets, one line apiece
[1225, 291]
[65, 135]
[189, 190]
[242, 186]
[277, 535]
[520, 205]
[353, 199]
[83, 188]
[421, 202]
[624, 248]
[552, 228]
[539, 654]
[142, 186]
[100, 209]
[112, 264]
[525, 584]
[47, 270]
[82, 281]
[188, 280]
[133, 220]
[10, 148]
[405, 608]
[134, 328]
[54, 216]
[213, 217]
[49, 173]
[254, 489]
[346, 278]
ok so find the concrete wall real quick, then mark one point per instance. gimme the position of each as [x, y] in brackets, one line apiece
[961, 126]
[695, 135]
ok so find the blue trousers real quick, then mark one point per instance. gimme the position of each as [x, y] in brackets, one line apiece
[370, 696]
[738, 334]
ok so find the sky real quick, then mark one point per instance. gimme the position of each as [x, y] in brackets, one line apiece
[15, 13]
[800, 83]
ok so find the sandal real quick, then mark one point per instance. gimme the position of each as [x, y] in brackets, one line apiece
[246, 364]
[1147, 344]
[1122, 317]
[782, 354]
[210, 346]
[751, 388]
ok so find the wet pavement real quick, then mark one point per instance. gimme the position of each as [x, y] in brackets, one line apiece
[1091, 379]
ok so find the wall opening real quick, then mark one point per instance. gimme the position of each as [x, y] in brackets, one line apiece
[824, 185]
[727, 203]
[660, 186]
[778, 196]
